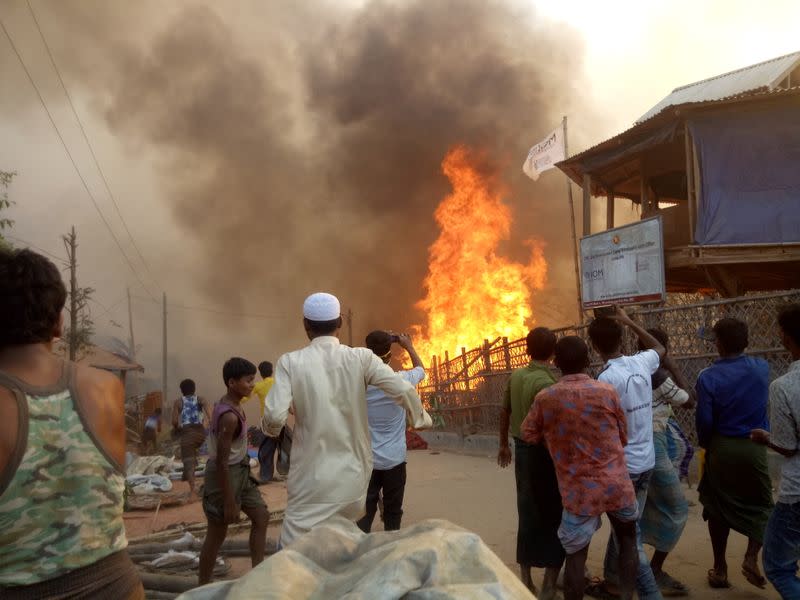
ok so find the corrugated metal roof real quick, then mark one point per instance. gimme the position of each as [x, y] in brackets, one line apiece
[763, 76]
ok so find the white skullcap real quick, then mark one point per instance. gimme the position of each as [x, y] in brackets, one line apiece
[321, 307]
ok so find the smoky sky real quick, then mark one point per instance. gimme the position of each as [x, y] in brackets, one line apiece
[308, 157]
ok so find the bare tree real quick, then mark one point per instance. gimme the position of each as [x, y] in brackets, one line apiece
[80, 330]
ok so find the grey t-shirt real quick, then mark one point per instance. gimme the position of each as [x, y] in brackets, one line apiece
[784, 421]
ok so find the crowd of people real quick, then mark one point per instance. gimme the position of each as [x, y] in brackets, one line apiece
[611, 445]
[583, 447]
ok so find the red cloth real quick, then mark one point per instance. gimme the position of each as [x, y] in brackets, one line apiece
[414, 441]
[584, 427]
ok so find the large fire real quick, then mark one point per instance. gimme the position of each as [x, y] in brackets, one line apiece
[472, 293]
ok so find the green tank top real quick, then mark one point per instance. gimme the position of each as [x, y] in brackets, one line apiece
[61, 495]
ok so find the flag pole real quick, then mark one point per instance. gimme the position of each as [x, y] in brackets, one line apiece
[574, 234]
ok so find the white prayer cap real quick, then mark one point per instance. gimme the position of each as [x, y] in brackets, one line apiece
[321, 307]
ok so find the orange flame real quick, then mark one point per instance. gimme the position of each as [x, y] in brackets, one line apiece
[472, 293]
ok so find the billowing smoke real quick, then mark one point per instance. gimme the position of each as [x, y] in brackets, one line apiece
[299, 145]
[317, 163]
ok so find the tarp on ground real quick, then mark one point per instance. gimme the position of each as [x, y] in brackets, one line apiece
[750, 182]
[432, 560]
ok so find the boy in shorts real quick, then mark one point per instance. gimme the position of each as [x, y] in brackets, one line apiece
[582, 423]
[229, 488]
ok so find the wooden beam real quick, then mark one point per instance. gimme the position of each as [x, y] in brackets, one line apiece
[698, 187]
[587, 204]
[690, 189]
[610, 210]
[644, 198]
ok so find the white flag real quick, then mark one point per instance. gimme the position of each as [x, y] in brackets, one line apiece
[544, 155]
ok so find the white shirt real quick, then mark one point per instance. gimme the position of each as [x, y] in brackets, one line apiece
[331, 461]
[665, 396]
[387, 423]
[630, 376]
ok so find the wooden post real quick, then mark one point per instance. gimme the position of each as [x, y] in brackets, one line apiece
[587, 204]
[487, 361]
[507, 354]
[447, 365]
[698, 187]
[690, 189]
[164, 382]
[575, 258]
[464, 367]
[644, 197]
[610, 210]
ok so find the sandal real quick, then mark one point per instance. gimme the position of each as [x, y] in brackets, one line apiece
[596, 588]
[669, 586]
[754, 577]
[717, 581]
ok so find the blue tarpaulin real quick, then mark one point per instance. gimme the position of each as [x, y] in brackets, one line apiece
[750, 183]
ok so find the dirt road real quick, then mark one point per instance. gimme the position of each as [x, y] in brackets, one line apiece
[472, 491]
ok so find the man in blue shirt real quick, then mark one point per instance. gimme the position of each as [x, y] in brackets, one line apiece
[736, 491]
[387, 426]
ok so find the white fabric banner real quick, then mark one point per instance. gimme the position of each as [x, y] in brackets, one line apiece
[544, 155]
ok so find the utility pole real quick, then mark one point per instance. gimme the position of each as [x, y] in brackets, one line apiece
[131, 341]
[164, 354]
[349, 318]
[71, 244]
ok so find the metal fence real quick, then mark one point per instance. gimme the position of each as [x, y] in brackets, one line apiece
[464, 393]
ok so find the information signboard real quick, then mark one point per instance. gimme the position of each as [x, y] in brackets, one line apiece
[624, 265]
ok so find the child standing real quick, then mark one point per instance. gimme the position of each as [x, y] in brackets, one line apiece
[229, 488]
[152, 427]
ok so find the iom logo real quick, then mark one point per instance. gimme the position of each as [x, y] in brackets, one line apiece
[594, 274]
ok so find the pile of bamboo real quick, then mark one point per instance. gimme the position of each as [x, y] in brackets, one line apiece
[166, 583]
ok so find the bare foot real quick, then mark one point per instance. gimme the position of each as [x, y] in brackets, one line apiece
[527, 580]
[752, 573]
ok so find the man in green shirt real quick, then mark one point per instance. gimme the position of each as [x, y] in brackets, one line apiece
[538, 499]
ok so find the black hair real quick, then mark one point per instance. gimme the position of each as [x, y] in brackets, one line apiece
[265, 368]
[157, 411]
[324, 327]
[187, 387]
[606, 335]
[572, 355]
[540, 343]
[732, 335]
[380, 342]
[660, 335]
[32, 296]
[236, 368]
[789, 321]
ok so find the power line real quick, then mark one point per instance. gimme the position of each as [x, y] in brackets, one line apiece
[215, 310]
[35, 247]
[72, 160]
[89, 145]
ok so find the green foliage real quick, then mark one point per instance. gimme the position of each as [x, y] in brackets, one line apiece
[80, 339]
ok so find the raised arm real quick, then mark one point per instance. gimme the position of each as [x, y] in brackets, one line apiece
[405, 342]
[278, 401]
[380, 375]
[647, 340]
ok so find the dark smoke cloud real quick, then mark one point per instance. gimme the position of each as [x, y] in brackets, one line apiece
[308, 157]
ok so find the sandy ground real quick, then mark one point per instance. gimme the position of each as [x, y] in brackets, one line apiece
[473, 492]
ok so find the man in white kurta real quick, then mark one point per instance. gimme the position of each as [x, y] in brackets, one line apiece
[325, 384]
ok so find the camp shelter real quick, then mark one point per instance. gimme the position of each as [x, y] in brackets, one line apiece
[719, 161]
